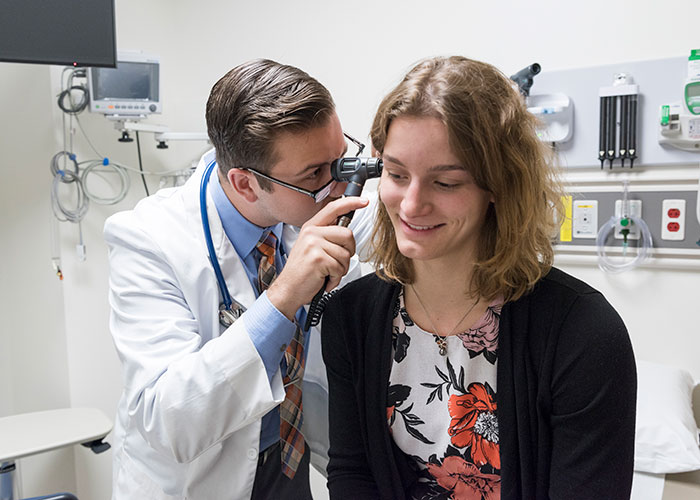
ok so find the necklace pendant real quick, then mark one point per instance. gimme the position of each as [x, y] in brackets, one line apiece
[442, 344]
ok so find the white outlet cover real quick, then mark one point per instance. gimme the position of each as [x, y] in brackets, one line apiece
[667, 220]
[585, 215]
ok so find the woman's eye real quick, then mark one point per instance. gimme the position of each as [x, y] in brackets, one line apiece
[446, 185]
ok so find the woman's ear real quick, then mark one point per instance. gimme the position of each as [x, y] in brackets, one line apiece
[241, 182]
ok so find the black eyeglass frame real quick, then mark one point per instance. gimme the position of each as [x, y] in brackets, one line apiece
[319, 194]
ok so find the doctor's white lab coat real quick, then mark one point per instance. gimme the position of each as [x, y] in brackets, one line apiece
[188, 422]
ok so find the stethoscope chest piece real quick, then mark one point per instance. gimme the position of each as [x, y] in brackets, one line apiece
[228, 316]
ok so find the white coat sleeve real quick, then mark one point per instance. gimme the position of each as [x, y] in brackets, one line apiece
[186, 389]
[362, 224]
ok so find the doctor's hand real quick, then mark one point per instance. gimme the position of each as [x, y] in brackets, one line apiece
[322, 249]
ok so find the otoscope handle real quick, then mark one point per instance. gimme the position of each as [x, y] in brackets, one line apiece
[317, 305]
[353, 189]
[355, 171]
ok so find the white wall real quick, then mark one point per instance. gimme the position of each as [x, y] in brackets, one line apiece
[33, 346]
[56, 350]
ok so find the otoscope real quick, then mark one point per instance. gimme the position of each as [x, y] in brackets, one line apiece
[524, 77]
[355, 171]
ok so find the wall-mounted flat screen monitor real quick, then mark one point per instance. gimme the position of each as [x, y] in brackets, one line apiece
[61, 32]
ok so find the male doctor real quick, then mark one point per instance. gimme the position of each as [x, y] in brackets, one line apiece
[211, 404]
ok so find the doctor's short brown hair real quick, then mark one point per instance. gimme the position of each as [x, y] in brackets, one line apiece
[256, 101]
[494, 136]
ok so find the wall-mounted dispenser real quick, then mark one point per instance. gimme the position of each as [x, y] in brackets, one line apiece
[556, 114]
[679, 122]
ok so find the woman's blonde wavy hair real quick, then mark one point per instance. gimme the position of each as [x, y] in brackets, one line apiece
[493, 134]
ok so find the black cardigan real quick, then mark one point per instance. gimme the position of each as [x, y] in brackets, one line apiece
[566, 394]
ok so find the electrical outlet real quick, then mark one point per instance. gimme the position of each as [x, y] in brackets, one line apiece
[673, 220]
[634, 210]
[585, 219]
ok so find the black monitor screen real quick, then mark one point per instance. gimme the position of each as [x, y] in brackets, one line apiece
[131, 80]
[63, 32]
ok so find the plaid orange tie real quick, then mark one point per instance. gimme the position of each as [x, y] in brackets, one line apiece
[291, 415]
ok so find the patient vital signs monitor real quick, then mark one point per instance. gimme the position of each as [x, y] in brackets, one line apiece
[131, 89]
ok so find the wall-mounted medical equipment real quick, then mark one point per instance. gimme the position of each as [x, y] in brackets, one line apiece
[679, 122]
[617, 129]
[659, 83]
[132, 89]
[525, 78]
[554, 111]
[603, 224]
[627, 224]
[125, 95]
[556, 115]
[131, 92]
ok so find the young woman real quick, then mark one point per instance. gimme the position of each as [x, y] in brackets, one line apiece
[468, 367]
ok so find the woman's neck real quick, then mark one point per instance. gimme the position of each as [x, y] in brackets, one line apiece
[443, 278]
[440, 296]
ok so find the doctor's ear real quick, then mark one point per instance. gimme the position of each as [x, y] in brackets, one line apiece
[241, 182]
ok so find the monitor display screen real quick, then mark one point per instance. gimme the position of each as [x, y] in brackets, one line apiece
[61, 32]
[130, 89]
[130, 80]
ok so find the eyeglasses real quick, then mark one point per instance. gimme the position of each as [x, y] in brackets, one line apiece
[321, 193]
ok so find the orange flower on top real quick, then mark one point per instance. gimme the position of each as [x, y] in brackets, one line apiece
[474, 424]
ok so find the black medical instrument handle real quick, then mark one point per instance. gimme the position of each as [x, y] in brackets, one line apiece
[633, 130]
[353, 189]
[630, 146]
[624, 126]
[611, 129]
[601, 131]
[616, 131]
[355, 171]
[606, 127]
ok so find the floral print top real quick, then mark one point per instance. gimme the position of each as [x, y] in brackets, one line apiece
[442, 409]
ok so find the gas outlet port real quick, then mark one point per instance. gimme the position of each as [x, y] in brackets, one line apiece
[634, 209]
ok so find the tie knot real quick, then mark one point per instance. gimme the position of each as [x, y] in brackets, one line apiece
[266, 267]
[267, 246]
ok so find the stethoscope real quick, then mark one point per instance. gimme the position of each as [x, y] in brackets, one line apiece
[228, 310]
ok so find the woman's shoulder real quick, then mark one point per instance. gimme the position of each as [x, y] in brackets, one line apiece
[566, 300]
[369, 294]
[368, 287]
[559, 295]
[558, 281]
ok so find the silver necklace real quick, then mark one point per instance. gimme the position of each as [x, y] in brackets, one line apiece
[441, 340]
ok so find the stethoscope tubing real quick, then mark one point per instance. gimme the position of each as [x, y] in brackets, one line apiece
[207, 235]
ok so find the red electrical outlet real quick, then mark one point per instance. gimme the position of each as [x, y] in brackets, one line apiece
[673, 220]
